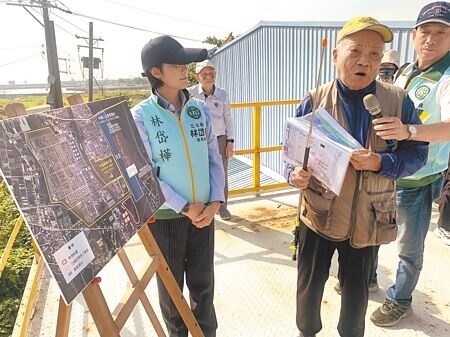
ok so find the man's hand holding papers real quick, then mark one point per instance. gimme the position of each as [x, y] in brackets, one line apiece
[300, 177]
[365, 160]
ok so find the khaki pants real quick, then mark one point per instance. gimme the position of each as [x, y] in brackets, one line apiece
[222, 141]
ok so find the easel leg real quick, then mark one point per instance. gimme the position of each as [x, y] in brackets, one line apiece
[99, 310]
[170, 283]
[63, 322]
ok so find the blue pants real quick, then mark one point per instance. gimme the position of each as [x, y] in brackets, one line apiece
[188, 251]
[444, 203]
[414, 213]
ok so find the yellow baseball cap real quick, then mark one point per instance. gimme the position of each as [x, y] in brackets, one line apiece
[365, 23]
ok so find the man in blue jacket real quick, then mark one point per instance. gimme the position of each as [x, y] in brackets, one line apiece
[362, 216]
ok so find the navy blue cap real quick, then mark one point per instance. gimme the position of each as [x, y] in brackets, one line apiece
[165, 49]
[438, 11]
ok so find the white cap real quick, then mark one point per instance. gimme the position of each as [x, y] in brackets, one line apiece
[391, 56]
[203, 64]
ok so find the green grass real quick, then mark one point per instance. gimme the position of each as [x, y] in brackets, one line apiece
[133, 97]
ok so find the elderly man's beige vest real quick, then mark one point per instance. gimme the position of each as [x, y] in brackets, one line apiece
[365, 210]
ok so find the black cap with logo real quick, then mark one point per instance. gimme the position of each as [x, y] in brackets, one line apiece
[165, 49]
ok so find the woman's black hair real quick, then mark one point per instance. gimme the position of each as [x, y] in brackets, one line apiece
[155, 83]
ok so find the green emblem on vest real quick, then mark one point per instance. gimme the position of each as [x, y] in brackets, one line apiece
[194, 112]
[422, 92]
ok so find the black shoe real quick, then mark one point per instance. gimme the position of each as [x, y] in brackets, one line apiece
[303, 335]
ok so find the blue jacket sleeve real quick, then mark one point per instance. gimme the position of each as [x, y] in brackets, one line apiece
[410, 156]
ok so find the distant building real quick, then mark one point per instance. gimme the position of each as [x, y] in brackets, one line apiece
[280, 61]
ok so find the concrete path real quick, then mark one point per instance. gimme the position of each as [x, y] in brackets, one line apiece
[256, 281]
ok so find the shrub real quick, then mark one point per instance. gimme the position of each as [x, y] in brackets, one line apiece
[8, 312]
[14, 277]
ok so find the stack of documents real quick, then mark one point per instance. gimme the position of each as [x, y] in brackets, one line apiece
[330, 150]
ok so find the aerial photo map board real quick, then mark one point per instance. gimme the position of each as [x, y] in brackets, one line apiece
[83, 182]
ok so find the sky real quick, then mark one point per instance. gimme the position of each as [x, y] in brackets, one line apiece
[22, 38]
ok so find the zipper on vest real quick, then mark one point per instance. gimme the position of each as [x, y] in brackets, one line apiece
[358, 185]
[355, 202]
[191, 171]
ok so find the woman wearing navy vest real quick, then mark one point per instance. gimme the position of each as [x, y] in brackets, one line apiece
[177, 133]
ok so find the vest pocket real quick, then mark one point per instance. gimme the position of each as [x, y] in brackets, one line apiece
[376, 220]
[385, 221]
[319, 201]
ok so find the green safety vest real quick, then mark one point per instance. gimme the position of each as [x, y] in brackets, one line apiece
[423, 91]
[179, 150]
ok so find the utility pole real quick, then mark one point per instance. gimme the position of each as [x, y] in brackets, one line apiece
[91, 61]
[54, 97]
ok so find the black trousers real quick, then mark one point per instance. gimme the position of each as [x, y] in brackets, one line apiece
[314, 260]
[444, 203]
[188, 251]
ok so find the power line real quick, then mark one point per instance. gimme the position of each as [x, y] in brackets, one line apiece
[68, 11]
[28, 11]
[22, 47]
[21, 60]
[70, 23]
[132, 27]
[163, 15]
[63, 29]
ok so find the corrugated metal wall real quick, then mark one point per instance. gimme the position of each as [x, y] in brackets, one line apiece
[280, 61]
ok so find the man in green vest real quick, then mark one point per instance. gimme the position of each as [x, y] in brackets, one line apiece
[177, 133]
[428, 84]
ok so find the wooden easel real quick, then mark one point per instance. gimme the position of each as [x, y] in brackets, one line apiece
[110, 323]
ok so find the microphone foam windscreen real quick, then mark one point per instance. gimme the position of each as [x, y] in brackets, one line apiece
[371, 103]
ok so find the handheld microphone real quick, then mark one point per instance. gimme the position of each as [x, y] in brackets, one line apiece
[373, 106]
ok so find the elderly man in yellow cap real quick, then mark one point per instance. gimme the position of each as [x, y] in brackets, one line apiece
[363, 215]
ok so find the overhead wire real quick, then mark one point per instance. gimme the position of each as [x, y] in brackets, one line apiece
[27, 10]
[135, 28]
[20, 60]
[70, 23]
[64, 30]
[22, 47]
[68, 11]
[54, 5]
[164, 15]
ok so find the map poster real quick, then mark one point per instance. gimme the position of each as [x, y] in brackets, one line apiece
[83, 182]
[330, 150]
